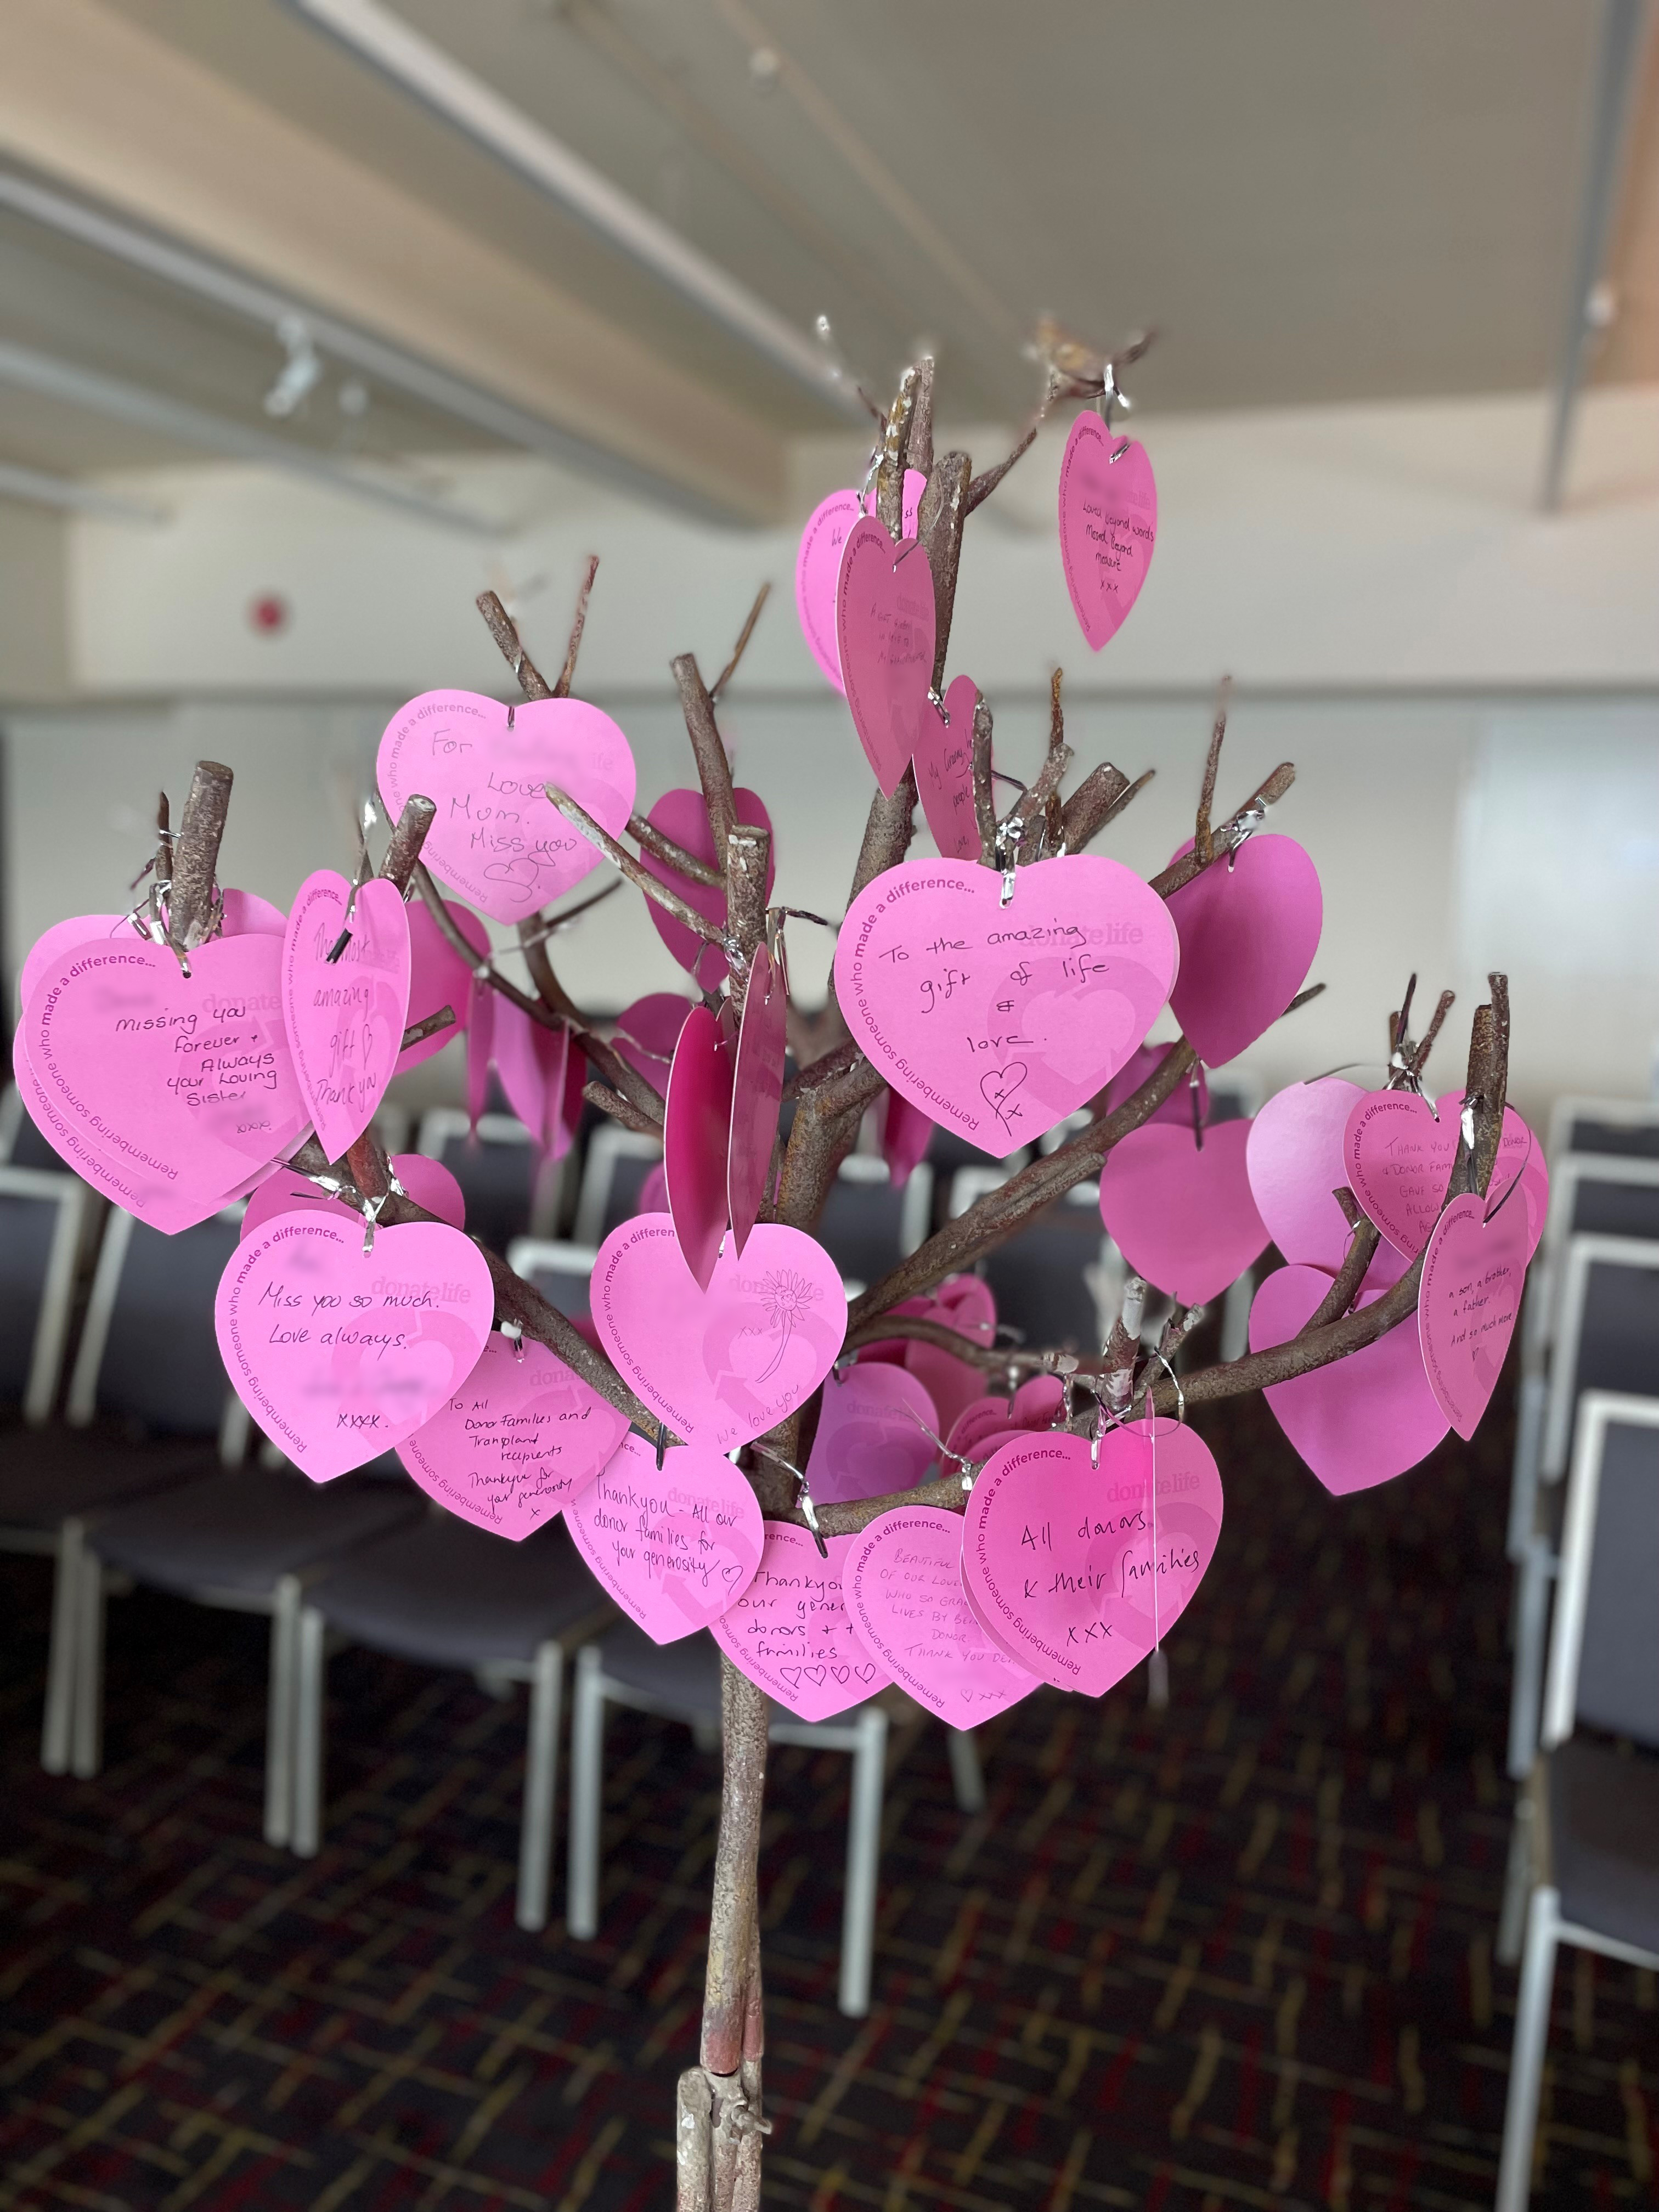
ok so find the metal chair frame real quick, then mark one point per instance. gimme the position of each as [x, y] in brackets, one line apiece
[1609, 1113]
[440, 1124]
[607, 1145]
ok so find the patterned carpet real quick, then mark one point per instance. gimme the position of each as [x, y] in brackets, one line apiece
[1237, 1954]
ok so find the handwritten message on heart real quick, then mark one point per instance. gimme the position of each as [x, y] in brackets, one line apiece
[756, 1091]
[885, 631]
[429, 1183]
[1398, 1161]
[345, 1018]
[183, 1086]
[683, 817]
[903, 1580]
[674, 1545]
[1079, 1570]
[1473, 1272]
[873, 1434]
[520, 1438]
[496, 837]
[1295, 1160]
[818, 563]
[697, 1129]
[723, 1365]
[340, 1353]
[996, 1021]
[1249, 928]
[1365, 1419]
[1108, 525]
[438, 976]
[1183, 1215]
[944, 771]
[790, 1632]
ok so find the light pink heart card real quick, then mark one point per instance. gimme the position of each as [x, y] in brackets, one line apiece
[675, 1545]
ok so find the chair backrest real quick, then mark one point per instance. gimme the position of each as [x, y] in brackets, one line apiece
[562, 1272]
[500, 1174]
[1591, 1194]
[867, 1225]
[1608, 1337]
[1604, 1647]
[42, 1216]
[618, 1161]
[1234, 1096]
[1046, 1280]
[948, 1152]
[21, 1144]
[969, 1184]
[148, 1353]
[1627, 1125]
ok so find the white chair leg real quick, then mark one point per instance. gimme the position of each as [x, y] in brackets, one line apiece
[586, 1796]
[310, 1664]
[57, 1721]
[1236, 1316]
[279, 1713]
[965, 1774]
[1523, 1474]
[858, 1936]
[1517, 1881]
[1531, 1630]
[541, 1783]
[1532, 2027]
[87, 1750]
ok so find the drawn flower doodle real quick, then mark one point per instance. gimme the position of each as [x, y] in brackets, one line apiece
[787, 1298]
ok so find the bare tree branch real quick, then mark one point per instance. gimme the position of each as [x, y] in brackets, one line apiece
[579, 623]
[655, 889]
[1267, 794]
[1204, 843]
[744, 635]
[505, 631]
[713, 769]
[650, 839]
[191, 906]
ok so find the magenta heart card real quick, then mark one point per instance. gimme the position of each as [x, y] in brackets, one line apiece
[339, 1354]
[965, 1303]
[1108, 525]
[648, 1030]
[902, 1582]
[875, 1434]
[790, 1632]
[999, 1021]
[1294, 1154]
[885, 632]
[1398, 1161]
[683, 817]
[345, 1017]
[756, 1094]
[675, 1545]
[533, 1062]
[722, 1366]
[1182, 1214]
[1473, 1272]
[496, 837]
[944, 771]
[1140, 1069]
[429, 1183]
[1249, 928]
[818, 563]
[697, 1132]
[520, 1438]
[906, 1133]
[438, 976]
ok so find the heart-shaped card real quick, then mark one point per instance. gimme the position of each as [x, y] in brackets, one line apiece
[790, 1632]
[541, 1073]
[724, 1366]
[675, 1545]
[756, 1094]
[496, 837]
[1140, 1069]
[1294, 1154]
[1108, 525]
[646, 1033]
[873, 1434]
[438, 976]
[944, 771]
[884, 633]
[1398, 1158]
[345, 1017]
[429, 1183]
[1362, 1420]
[818, 563]
[683, 818]
[183, 1086]
[520, 1438]
[906, 1133]
[696, 1129]
[1079, 1570]
[1181, 1212]
[1473, 1272]
[339, 1354]
[999, 1021]
[967, 1304]
[1249, 928]
[902, 1581]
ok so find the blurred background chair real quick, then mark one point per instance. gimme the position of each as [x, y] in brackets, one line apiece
[1629, 1126]
[444, 1593]
[613, 1175]
[869, 1224]
[1589, 1835]
[509, 1189]
[1061, 1274]
[682, 1682]
[562, 1272]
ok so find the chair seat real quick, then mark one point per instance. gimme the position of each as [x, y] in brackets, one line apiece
[448, 1595]
[1604, 1841]
[48, 1474]
[244, 1528]
[682, 1680]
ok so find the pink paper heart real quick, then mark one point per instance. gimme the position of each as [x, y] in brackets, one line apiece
[757, 1093]
[520, 1437]
[1108, 525]
[653, 1193]
[790, 1632]
[1249, 927]
[1079, 1570]
[906, 1133]
[429, 1183]
[965, 1303]
[183, 1087]
[902, 1581]
[648, 1030]
[1473, 1272]
[533, 1063]
[979, 1419]
[1294, 1156]
[696, 1136]
[818, 563]
[1397, 1160]
[999, 1021]
[1362, 1419]
[245, 914]
[65, 936]
[674, 1545]
[944, 771]
[339, 1353]
[1182, 1214]
[345, 1019]
[438, 976]
[683, 817]
[721, 1366]
[884, 633]
[1177, 1107]
[873, 1434]
[497, 837]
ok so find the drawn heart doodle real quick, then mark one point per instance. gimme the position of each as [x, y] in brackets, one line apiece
[998, 1086]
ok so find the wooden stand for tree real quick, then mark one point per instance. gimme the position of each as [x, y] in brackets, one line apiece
[720, 2121]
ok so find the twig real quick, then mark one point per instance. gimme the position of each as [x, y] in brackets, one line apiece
[1267, 794]
[920, 450]
[888, 829]
[505, 631]
[191, 906]
[407, 838]
[713, 769]
[418, 1032]
[1104, 792]
[642, 877]
[164, 840]
[549, 925]
[1204, 843]
[618, 1108]
[650, 839]
[1349, 1276]
[1419, 1058]
[895, 446]
[748, 852]
[747, 632]
[985, 805]
[938, 526]
[579, 623]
